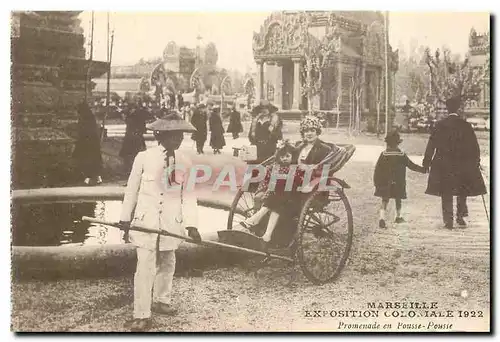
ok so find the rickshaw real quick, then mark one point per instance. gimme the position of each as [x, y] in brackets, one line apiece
[317, 235]
[318, 232]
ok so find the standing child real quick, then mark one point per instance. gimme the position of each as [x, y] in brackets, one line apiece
[390, 176]
[277, 200]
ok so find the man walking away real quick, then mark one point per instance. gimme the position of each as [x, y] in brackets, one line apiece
[453, 157]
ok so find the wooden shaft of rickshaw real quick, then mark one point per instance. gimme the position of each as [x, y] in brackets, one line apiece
[203, 242]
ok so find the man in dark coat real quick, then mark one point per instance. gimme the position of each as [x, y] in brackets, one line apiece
[180, 100]
[453, 157]
[235, 127]
[199, 121]
[217, 141]
[133, 142]
[171, 101]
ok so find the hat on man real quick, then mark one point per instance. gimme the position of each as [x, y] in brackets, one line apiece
[393, 138]
[265, 104]
[453, 104]
[171, 122]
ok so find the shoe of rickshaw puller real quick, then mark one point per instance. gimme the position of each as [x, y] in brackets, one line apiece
[336, 159]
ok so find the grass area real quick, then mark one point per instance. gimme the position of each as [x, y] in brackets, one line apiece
[414, 261]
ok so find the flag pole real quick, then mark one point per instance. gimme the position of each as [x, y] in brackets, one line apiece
[87, 81]
[108, 84]
[386, 39]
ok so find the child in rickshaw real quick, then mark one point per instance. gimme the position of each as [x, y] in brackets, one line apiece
[309, 152]
[277, 200]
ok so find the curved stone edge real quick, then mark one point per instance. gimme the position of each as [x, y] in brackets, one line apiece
[80, 262]
[75, 262]
[102, 193]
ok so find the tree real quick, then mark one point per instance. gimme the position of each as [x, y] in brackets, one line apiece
[412, 79]
[451, 77]
[211, 54]
[317, 54]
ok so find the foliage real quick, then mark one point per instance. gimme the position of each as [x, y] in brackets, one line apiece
[317, 57]
[211, 54]
[151, 61]
[412, 79]
[451, 77]
[326, 117]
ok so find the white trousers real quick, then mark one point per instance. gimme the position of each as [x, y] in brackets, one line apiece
[152, 280]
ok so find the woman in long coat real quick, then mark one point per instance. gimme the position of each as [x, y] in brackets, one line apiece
[199, 121]
[265, 130]
[217, 140]
[87, 153]
[133, 142]
[235, 127]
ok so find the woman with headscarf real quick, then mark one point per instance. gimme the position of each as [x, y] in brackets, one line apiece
[87, 153]
[217, 141]
[265, 130]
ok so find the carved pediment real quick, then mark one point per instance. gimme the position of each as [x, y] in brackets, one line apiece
[288, 33]
[281, 34]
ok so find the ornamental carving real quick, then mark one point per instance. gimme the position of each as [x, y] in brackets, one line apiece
[281, 34]
[285, 33]
[373, 48]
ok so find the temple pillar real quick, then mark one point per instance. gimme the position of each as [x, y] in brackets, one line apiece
[338, 100]
[278, 88]
[363, 84]
[297, 97]
[260, 76]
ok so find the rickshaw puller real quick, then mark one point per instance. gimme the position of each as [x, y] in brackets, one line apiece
[156, 198]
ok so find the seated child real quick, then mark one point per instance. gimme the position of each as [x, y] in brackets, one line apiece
[278, 200]
[390, 176]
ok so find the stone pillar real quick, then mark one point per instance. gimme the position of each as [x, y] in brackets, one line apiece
[339, 83]
[363, 92]
[260, 76]
[278, 88]
[297, 97]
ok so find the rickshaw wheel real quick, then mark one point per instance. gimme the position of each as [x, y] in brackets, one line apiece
[243, 207]
[325, 236]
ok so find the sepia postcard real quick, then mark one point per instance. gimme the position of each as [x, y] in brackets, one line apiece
[286, 171]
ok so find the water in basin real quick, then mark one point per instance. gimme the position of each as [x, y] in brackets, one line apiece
[56, 224]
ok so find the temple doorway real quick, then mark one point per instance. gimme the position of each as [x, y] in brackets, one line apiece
[287, 78]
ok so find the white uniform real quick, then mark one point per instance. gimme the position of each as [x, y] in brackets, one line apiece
[149, 203]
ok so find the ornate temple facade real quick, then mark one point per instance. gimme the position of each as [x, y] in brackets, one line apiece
[356, 55]
[50, 77]
[479, 50]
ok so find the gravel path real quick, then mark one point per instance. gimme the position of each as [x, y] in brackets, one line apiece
[414, 261]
